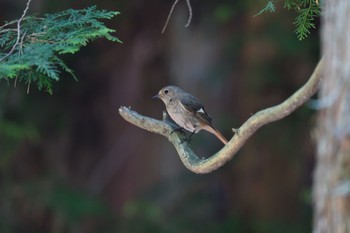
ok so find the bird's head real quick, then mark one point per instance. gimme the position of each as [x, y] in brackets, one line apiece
[167, 94]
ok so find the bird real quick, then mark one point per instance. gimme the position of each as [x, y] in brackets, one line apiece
[187, 111]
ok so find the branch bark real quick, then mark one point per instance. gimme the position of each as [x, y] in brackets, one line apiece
[193, 162]
[331, 180]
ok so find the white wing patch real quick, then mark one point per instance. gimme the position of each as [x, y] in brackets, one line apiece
[201, 110]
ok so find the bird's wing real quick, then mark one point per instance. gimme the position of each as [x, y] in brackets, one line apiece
[192, 104]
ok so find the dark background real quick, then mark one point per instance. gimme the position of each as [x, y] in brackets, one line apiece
[70, 163]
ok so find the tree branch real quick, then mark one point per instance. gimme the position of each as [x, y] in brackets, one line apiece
[18, 31]
[263, 117]
[171, 12]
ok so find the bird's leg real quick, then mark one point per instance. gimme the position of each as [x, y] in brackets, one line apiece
[188, 140]
[178, 129]
[181, 129]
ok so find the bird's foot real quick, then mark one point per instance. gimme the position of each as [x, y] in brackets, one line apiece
[187, 140]
[178, 129]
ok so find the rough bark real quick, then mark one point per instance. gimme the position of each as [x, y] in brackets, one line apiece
[332, 175]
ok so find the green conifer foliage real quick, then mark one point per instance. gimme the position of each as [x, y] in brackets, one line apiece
[37, 46]
[306, 10]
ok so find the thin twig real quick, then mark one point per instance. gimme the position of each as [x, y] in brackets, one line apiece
[21, 43]
[263, 117]
[9, 23]
[28, 87]
[18, 31]
[189, 12]
[8, 30]
[169, 15]
[171, 12]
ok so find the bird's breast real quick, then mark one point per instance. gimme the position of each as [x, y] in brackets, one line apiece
[184, 119]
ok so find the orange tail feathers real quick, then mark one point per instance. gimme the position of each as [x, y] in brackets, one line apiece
[216, 133]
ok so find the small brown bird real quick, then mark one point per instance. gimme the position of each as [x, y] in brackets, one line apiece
[187, 111]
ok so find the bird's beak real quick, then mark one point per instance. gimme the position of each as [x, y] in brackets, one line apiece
[156, 97]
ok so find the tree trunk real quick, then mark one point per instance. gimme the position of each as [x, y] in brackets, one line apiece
[332, 175]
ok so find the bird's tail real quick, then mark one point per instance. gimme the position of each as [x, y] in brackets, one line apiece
[216, 133]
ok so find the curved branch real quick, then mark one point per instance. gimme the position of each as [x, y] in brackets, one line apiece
[263, 117]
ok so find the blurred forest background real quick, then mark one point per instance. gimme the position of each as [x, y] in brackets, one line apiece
[70, 163]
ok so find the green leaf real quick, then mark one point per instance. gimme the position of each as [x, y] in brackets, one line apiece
[305, 19]
[8, 70]
[270, 7]
[307, 11]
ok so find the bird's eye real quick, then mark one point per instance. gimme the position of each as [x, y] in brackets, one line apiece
[166, 91]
